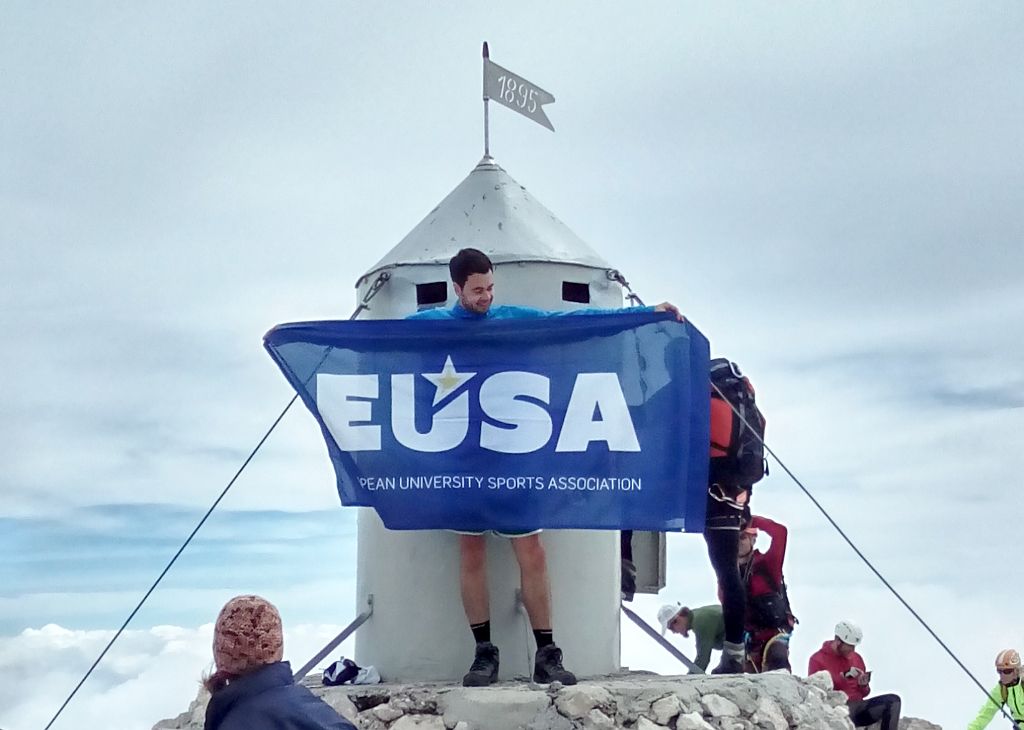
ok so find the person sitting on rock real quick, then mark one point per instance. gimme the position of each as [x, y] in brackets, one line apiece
[769, 621]
[707, 624]
[840, 659]
[1009, 693]
[252, 689]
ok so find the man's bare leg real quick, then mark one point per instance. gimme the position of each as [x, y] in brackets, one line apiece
[473, 578]
[533, 575]
[473, 581]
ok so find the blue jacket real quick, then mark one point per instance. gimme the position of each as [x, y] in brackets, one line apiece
[268, 699]
[511, 311]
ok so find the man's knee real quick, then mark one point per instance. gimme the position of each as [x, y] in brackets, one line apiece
[529, 552]
[473, 552]
[893, 704]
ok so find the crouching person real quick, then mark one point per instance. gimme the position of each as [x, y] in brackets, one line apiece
[840, 659]
[252, 689]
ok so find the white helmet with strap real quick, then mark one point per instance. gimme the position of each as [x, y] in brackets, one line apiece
[849, 633]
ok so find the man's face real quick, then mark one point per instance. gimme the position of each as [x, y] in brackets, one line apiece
[1008, 676]
[477, 293]
[843, 649]
[679, 624]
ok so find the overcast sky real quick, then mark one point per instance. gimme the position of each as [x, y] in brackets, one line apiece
[832, 192]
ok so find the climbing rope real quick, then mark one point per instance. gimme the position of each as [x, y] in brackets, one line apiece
[371, 292]
[614, 275]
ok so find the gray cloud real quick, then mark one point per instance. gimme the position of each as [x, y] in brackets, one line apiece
[833, 194]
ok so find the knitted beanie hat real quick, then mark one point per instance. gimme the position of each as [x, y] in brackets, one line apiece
[247, 635]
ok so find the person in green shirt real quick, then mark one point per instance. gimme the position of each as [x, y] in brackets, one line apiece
[706, 623]
[1008, 694]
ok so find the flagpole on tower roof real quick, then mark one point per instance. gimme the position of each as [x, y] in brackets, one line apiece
[487, 132]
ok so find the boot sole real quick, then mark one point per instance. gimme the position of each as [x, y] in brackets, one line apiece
[481, 682]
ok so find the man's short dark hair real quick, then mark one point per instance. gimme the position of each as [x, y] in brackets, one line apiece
[467, 262]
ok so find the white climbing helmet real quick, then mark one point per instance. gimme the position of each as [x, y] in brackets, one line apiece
[849, 633]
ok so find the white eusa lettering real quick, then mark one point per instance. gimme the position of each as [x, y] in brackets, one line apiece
[345, 404]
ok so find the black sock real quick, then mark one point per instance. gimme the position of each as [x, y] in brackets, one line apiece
[543, 637]
[481, 631]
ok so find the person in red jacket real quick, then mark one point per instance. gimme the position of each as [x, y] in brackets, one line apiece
[769, 621]
[840, 659]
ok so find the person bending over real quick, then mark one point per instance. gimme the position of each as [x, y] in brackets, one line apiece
[706, 623]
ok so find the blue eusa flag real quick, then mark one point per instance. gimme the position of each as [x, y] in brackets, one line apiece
[595, 422]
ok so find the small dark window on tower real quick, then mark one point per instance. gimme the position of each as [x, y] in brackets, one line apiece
[436, 292]
[575, 292]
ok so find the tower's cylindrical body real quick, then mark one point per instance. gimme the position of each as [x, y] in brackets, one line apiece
[418, 630]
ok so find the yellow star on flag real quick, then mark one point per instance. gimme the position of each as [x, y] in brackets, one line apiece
[447, 381]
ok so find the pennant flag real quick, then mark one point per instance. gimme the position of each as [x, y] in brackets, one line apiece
[592, 422]
[516, 93]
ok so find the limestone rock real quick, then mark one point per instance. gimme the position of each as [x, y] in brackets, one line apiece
[495, 708]
[414, 703]
[731, 723]
[635, 701]
[743, 694]
[549, 719]
[822, 680]
[576, 702]
[665, 709]
[342, 705]
[768, 715]
[786, 689]
[692, 721]
[386, 712]
[597, 720]
[644, 724]
[913, 723]
[419, 722]
[717, 706]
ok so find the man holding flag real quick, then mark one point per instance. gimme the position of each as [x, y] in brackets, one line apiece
[472, 275]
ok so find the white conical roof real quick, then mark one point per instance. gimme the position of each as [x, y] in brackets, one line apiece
[492, 212]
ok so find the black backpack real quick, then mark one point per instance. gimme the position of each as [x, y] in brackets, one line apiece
[737, 449]
[771, 610]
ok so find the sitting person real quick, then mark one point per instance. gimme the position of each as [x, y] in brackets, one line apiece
[769, 621]
[252, 689]
[707, 623]
[1009, 693]
[840, 659]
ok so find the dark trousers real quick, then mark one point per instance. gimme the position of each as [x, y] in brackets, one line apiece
[884, 709]
[723, 547]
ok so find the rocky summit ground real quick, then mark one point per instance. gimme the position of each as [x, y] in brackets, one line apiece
[638, 701]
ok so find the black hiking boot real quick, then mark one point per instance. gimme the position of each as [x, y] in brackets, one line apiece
[628, 579]
[484, 670]
[547, 667]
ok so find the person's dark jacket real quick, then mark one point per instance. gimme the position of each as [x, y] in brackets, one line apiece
[268, 699]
